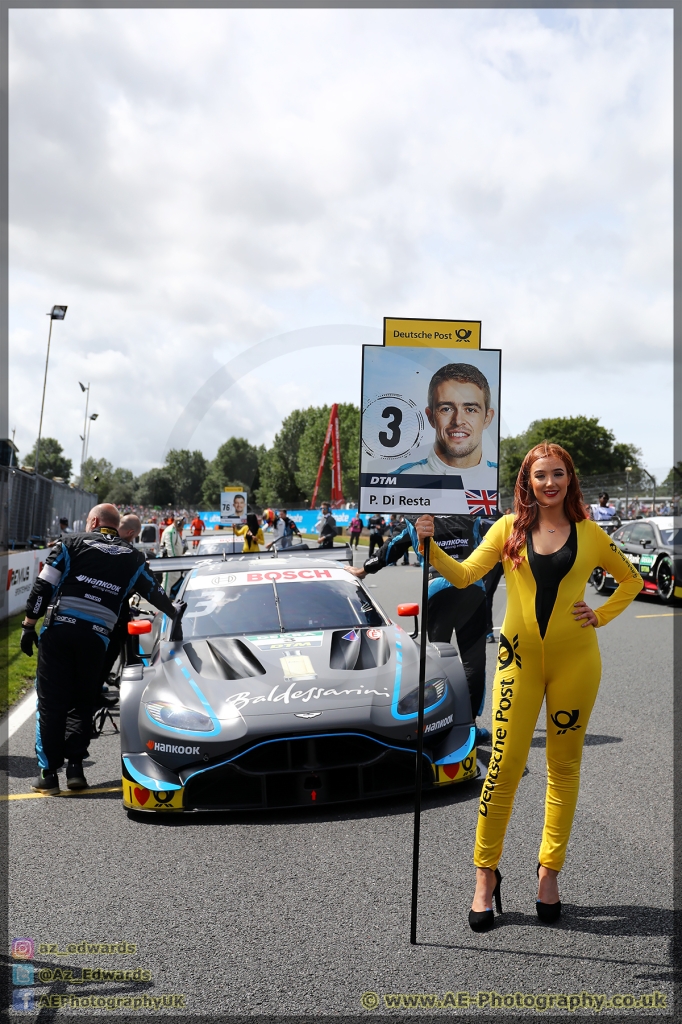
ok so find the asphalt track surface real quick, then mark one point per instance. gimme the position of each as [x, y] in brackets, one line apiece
[300, 913]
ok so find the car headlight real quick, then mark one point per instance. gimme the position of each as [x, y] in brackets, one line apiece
[176, 717]
[434, 690]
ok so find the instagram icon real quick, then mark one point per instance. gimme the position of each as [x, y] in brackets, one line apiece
[23, 949]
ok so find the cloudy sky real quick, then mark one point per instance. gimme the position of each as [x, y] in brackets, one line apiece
[194, 182]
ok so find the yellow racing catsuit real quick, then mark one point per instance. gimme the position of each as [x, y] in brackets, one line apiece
[563, 666]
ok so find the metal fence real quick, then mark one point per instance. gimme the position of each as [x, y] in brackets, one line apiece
[21, 524]
[630, 493]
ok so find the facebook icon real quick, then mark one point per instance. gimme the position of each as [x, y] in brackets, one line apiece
[23, 999]
[22, 974]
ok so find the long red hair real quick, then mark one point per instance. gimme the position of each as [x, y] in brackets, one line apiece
[525, 502]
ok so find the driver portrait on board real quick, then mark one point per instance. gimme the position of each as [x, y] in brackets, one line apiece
[233, 507]
[460, 412]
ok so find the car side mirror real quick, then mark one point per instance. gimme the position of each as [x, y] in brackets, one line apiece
[139, 626]
[410, 609]
[646, 543]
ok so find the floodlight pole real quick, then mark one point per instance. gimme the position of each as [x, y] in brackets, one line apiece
[627, 490]
[653, 480]
[52, 317]
[85, 427]
[87, 442]
[420, 744]
[42, 404]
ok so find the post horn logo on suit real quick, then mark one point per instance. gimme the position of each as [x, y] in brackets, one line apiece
[508, 652]
[565, 720]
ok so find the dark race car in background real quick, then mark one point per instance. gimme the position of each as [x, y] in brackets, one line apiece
[654, 546]
[289, 686]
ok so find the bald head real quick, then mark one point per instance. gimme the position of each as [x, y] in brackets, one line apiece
[129, 527]
[102, 515]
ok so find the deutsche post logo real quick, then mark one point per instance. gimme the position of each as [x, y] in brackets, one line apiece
[565, 720]
[507, 652]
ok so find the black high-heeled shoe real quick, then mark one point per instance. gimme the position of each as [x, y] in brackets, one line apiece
[547, 912]
[484, 920]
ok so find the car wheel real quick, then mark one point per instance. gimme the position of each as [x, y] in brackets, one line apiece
[665, 580]
[598, 580]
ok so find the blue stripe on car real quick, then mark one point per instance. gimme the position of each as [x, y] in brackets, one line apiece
[461, 752]
[146, 781]
[209, 710]
[398, 680]
[300, 736]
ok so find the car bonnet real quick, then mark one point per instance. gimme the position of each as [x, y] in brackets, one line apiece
[287, 672]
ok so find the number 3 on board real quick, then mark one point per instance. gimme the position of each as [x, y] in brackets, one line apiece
[394, 416]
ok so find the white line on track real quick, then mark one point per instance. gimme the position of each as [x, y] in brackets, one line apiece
[16, 718]
[660, 615]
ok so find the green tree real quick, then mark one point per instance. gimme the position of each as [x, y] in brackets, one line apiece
[279, 465]
[52, 460]
[96, 477]
[187, 471]
[673, 482]
[122, 487]
[592, 447]
[155, 487]
[237, 463]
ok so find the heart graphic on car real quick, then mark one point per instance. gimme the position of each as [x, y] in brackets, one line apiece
[141, 795]
[450, 770]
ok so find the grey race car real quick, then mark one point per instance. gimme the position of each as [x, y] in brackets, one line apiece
[290, 686]
[653, 547]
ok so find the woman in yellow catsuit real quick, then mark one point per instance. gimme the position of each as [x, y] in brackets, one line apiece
[548, 649]
[251, 532]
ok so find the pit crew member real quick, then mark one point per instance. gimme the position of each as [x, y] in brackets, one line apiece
[81, 590]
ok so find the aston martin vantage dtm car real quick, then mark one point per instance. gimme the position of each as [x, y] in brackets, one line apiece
[654, 547]
[287, 686]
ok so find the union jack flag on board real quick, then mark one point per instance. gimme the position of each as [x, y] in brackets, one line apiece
[482, 501]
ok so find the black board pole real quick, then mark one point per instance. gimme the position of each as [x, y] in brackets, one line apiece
[420, 744]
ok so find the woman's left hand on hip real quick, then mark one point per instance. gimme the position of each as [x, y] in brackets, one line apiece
[583, 611]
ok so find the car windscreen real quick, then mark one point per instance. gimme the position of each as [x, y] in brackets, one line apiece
[230, 610]
[148, 535]
[230, 604]
[216, 546]
[642, 532]
[672, 538]
[325, 605]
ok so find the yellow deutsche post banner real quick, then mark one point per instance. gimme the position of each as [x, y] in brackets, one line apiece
[462, 771]
[138, 798]
[432, 333]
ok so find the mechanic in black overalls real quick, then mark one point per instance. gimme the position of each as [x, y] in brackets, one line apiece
[81, 589]
[128, 529]
[461, 611]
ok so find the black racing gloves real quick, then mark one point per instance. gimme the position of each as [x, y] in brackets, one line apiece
[29, 637]
[176, 629]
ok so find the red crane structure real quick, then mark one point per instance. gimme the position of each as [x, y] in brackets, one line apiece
[331, 437]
